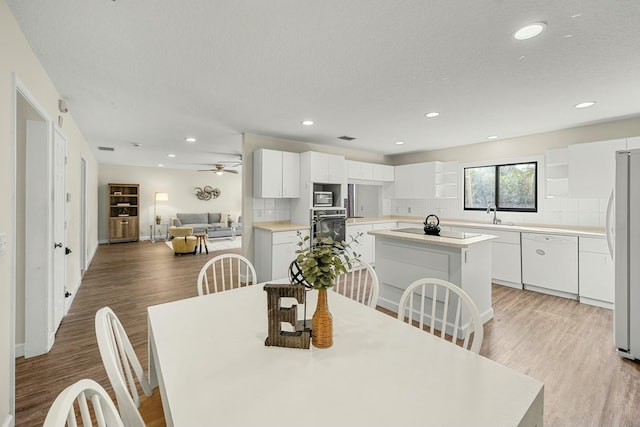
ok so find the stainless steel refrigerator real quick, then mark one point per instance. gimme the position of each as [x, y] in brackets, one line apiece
[627, 253]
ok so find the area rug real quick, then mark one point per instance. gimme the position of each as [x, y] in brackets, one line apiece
[220, 244]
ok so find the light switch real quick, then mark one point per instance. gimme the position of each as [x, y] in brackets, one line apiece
[3, 244]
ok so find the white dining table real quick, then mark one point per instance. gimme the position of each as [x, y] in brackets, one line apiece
[209, 359]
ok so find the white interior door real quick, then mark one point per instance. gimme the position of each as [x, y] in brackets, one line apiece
[38, 318]
[59, 226]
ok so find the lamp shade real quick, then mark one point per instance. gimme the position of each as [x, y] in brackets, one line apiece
[162, 197]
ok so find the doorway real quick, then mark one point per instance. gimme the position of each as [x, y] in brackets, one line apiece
[39, 263]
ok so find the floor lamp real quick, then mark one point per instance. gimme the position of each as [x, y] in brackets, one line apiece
[157, 197]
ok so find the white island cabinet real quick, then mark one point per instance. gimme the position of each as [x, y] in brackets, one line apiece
[506, 268]
[402, 258]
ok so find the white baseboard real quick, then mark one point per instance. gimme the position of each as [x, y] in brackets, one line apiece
[8, 421]
[508, 284]
[19, 350]
[597, 303]
[553, 292]
[69, 300]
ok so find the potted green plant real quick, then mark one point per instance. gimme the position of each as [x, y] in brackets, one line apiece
[321, 260]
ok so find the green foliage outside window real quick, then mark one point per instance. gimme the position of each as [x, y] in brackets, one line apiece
[511, 187]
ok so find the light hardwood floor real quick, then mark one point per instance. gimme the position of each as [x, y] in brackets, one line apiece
[566, 345]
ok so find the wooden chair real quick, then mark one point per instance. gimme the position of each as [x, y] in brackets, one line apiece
[75, 399]
[452, 312]
[226, 271]
[360, 284]
[121, 363]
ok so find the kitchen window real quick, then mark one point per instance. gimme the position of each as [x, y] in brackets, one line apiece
[512, 187]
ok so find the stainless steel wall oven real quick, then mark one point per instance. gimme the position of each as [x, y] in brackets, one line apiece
[329, 222]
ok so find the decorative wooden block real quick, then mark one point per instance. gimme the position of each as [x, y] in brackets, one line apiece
[276, 314]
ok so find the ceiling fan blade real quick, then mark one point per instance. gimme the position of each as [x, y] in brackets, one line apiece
[230, 171]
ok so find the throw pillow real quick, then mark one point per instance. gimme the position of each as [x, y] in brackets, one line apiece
[223, 219]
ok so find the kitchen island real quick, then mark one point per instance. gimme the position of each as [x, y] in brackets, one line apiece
[407, 254]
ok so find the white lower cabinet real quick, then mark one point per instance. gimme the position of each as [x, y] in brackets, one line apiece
[363, 243]
[274, 251]
[596, 272]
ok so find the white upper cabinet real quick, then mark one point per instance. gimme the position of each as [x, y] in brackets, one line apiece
[359, 170]
[557, 172]
[369, 171]
[430, 180]
[327, 168]
[592, 168]
[276, 174]
[383, 173]
[415, 181]
[290, 175]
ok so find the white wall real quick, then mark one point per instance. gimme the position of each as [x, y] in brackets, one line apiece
[588, 212]
[178, 183]
[17, 57]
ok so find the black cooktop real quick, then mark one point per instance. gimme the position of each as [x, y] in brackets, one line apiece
[449, 234]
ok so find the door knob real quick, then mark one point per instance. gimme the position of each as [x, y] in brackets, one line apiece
[57, 245]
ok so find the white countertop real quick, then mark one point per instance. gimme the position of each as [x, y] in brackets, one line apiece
[570, 230]
[433, 240]
[525, 228]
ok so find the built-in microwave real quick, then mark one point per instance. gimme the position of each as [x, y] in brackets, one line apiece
[322, 198]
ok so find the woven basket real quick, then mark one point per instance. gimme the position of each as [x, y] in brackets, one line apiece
[322, 323]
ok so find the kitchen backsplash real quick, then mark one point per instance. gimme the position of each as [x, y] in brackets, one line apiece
[271, 210]
[560, 211]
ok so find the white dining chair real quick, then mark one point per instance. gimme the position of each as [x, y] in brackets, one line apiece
[360, 283]
[225, 272]
[126, 374]
[443, 305]
[87, 399]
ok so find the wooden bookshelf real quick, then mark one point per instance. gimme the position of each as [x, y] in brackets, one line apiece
[124, 225]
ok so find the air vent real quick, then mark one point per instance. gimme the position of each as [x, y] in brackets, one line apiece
[106, 149]
[346, 138]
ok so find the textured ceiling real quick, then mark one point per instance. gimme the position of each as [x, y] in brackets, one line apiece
[155, 71]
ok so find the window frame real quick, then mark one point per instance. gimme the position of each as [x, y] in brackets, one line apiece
[497, 187]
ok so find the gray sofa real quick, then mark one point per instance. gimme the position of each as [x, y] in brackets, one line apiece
[210, 223]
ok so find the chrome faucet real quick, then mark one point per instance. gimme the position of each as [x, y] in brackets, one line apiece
[495, 211]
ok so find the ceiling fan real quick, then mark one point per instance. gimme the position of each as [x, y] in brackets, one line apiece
[221, 168]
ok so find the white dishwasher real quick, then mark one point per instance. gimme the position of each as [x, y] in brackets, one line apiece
[550, 262]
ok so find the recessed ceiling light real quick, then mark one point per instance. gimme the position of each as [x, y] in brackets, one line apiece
[171, 155]
[568, 36]
[190, 139]
[492, 137]
[432, 114]
[160, 165]
[307, 122]
[529, 31]
[585, 104]
[399, 142]
[136, 144]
